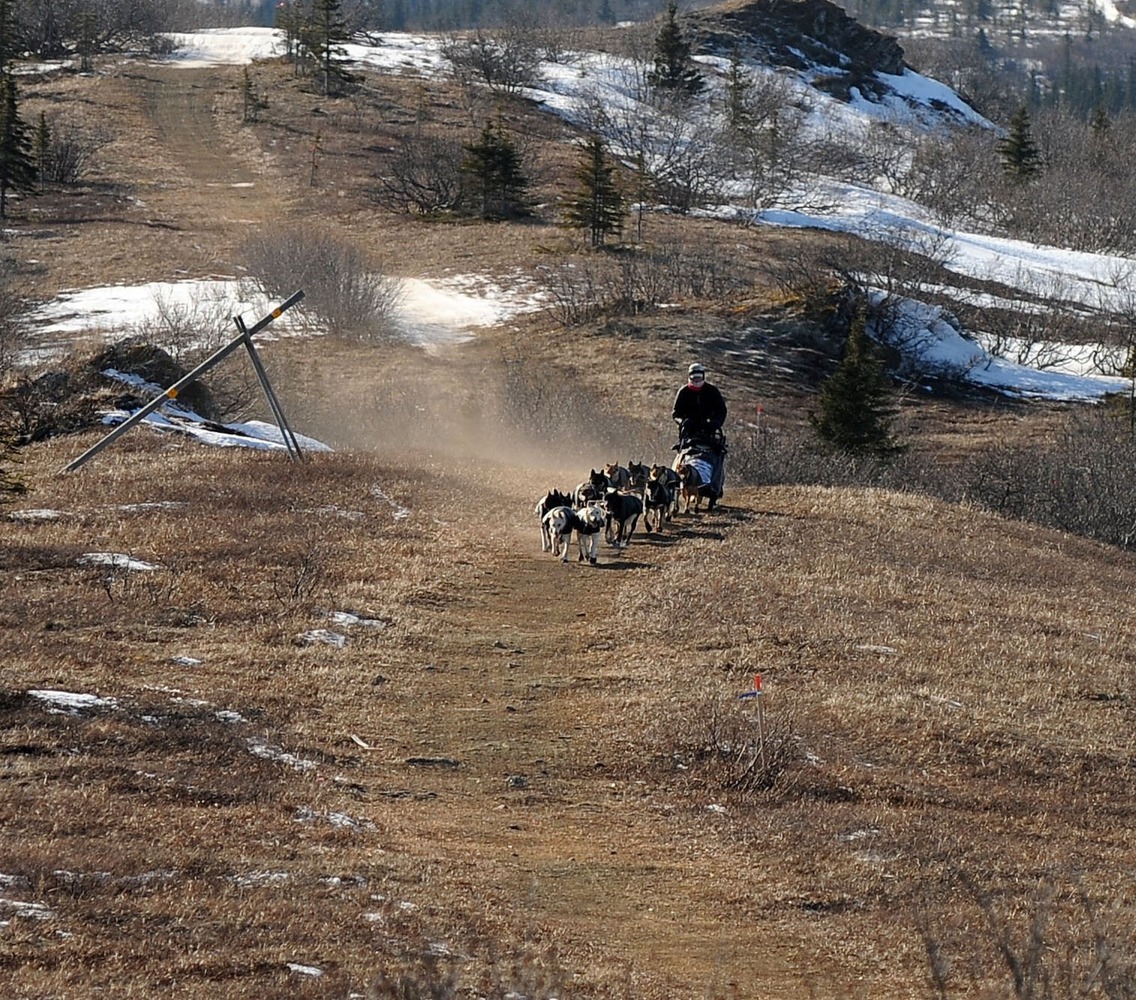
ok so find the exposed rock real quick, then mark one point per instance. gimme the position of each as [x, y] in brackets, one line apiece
[802, 35]
[136, 356]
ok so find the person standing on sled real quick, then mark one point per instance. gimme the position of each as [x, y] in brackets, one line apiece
[700, 411]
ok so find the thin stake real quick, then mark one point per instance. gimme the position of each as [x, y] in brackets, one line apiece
[290, 441]
[172, 392]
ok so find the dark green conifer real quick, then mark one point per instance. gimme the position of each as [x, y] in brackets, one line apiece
[674, 68]
[596, 206]
[857, 409]
[17, 168]
[1021, 158]
[493, 162]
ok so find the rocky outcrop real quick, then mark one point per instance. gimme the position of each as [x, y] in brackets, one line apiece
[801, 34]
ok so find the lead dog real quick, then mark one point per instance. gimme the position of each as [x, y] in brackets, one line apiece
[623, 510]
[553, 498]
[559, 523]
[588, 537]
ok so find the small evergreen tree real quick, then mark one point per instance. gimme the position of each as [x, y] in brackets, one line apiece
[493, 162]
[674, 68]
[325, 33]
[1021, 159]
[17, 168]
[856, 405]
[597, 204]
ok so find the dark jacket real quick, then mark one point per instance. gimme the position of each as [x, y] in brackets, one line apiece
[702, 410]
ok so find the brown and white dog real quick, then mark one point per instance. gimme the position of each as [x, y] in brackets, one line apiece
[691, 483]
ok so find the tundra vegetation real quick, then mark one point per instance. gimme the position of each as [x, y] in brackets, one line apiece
[350, 733]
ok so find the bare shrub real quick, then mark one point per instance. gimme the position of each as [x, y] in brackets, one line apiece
[638, 279]
[1082, 482]
[725, 743]
[1057, 942]
[424, 175]
[190, 333]
[505, 59]
[70, 152]
[343, 291]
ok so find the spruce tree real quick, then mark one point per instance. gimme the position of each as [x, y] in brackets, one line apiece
[674, 68]
[324, 35]
[856, 405]
[597, 204]
[494, 164]
[1021, 158]
[17, 168]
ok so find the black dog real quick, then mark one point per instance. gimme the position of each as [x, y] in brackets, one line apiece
[623, 510]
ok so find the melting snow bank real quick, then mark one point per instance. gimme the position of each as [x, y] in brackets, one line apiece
[428, 313]
[932, 343]
[171, 417]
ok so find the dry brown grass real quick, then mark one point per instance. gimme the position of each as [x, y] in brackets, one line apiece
[955, 688]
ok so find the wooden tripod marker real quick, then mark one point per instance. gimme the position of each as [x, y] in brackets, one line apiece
[171, 393]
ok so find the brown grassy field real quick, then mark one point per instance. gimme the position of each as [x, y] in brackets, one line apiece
[517, 777]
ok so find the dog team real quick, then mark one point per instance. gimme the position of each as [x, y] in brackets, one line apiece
[611, 500]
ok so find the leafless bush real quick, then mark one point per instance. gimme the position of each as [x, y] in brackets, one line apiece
[956, 176]
[640, 279]
[424, 175]
[727, 744]
[1057, 943]
[475, 959]
[190, 333]
[1082, 482]
[342, 290]
[505, 59]
[304, 576]
[70, 151]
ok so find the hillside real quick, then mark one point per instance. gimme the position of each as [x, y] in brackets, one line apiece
[354, 734]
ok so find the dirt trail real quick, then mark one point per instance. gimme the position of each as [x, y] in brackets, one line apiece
[205, 186]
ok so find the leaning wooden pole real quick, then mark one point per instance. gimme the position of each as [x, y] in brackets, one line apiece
[173, 391]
